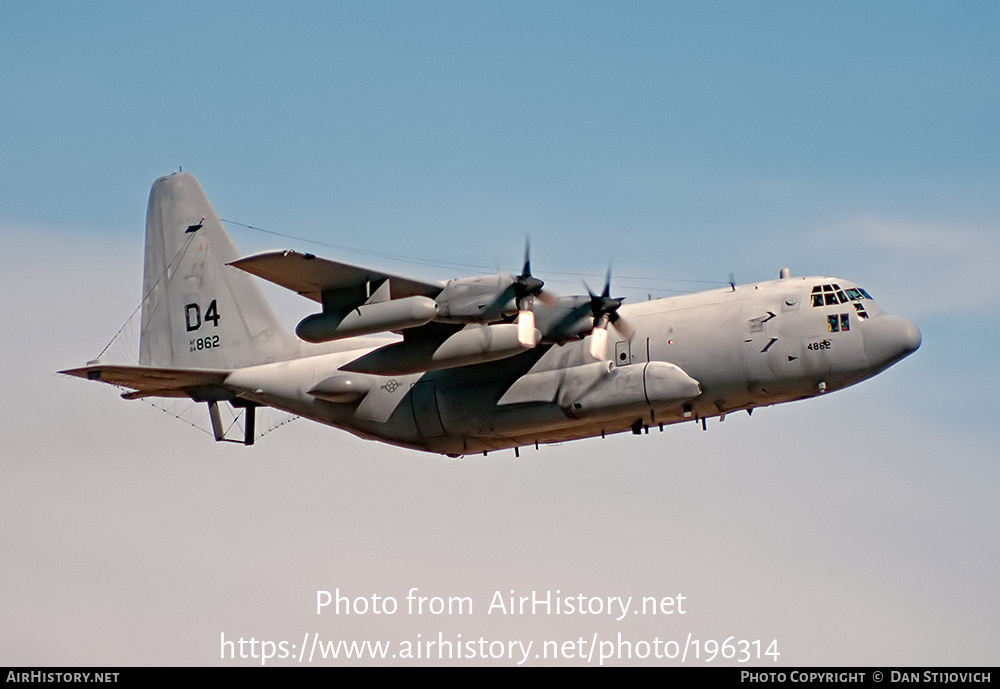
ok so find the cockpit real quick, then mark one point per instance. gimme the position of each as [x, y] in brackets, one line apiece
[831, 295]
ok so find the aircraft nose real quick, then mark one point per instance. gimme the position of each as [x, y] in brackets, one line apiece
[890, 338]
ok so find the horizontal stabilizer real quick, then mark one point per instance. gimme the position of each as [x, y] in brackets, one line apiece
[147, 381]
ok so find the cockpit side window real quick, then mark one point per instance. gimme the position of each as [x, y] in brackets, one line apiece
[838, 322]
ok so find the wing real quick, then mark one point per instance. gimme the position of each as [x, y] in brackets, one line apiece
[312, 277]
[462, 322]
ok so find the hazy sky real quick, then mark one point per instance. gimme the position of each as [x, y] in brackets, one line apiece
[679, 141]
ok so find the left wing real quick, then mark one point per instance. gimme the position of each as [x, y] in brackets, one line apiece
[465, 321]
[356, 300]
[311, 277]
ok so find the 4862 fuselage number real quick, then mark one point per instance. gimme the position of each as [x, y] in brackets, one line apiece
[210, 342]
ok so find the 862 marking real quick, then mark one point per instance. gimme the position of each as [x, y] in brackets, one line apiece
[201, 343]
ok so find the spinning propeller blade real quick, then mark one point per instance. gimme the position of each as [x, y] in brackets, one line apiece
[527, 285]
[605, 310]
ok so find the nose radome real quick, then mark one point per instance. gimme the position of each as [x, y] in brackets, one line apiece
[911, 337]
[890, 338]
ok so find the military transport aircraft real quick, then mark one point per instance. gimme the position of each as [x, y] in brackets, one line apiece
[484, 363]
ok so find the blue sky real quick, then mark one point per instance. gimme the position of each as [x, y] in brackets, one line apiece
[678, 141]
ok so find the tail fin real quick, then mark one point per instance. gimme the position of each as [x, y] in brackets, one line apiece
[198, 312]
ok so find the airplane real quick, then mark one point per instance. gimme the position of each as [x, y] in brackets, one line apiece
[476, 364]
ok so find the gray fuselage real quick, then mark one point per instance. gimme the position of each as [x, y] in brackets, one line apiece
[689, 357]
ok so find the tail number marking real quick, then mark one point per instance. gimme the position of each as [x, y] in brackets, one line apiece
[192, 316]
[201, 343]
[193, 320]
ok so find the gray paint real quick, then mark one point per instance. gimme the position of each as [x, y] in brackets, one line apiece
[456, 390]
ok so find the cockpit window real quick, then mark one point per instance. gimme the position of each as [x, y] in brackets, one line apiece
[832, 294]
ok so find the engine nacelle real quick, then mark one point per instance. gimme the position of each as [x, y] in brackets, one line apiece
[481, 299]
[569, 318]
[397, 314]
[475, 345]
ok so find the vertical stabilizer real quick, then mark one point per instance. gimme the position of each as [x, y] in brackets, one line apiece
[198, 312]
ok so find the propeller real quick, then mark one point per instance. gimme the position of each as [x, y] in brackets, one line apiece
[604, 307]
[526, 288]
